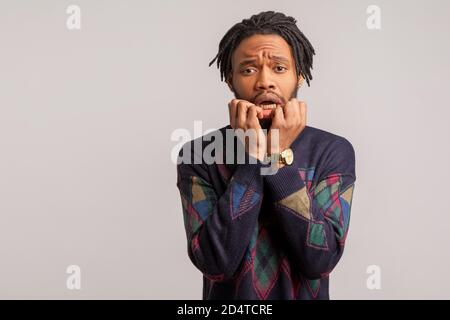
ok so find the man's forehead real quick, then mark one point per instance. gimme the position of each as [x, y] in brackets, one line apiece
[274, 46]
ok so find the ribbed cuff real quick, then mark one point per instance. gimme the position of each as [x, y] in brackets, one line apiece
[249, 172]
[285, 182]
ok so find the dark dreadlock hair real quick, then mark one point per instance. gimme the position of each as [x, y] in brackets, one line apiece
[268, 22]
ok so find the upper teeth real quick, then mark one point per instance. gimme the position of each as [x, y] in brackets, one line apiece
[269, 106]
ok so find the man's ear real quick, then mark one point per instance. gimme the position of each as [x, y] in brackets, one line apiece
[300, 80]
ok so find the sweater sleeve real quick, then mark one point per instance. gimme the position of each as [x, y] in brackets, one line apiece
[219, 226]
[315, 222]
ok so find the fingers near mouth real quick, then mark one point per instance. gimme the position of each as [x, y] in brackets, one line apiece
[267, 110]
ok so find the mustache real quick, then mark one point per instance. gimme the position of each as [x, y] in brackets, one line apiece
[269, 95]
[237, 95]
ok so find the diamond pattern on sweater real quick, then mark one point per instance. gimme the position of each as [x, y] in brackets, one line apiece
[267, 265]
[243, 199]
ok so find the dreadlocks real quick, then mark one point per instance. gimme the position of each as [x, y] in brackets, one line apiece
[268, 22]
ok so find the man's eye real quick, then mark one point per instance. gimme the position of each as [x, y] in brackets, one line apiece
[278, 68]
[245, 71]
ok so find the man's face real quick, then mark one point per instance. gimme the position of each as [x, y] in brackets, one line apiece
[263, 64]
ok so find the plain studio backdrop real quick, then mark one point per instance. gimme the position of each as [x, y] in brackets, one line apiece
[86, 118]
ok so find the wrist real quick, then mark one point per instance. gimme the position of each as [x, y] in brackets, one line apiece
[280, 159]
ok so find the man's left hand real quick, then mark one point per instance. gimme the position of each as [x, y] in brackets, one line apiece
[290, 120]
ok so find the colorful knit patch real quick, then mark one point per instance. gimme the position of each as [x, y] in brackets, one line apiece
[335, 203]
[307, 175]
[317, 237]
[267, 265]
[198, 204]
[299, 203]
[313, 287]
[242, 199]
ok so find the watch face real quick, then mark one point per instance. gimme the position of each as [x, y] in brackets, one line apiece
[288, 156]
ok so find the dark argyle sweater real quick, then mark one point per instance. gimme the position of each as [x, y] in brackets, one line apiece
[256, 236]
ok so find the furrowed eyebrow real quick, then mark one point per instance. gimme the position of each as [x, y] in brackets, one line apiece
[280, 58]
[253, 60]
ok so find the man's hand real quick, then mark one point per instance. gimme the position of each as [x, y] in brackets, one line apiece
[244, 116]
[290, 120]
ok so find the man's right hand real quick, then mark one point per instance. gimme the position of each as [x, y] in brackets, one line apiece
[244, 116]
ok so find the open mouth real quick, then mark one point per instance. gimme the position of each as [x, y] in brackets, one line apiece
[267, 109]
[268, 102]
[268, 99]
[268, 105]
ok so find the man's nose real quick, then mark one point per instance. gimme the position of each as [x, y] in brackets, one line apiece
[265, 80]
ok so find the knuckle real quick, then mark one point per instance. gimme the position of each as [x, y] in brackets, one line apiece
[241, 103]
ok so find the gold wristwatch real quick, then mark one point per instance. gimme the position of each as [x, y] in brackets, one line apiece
[285, 157]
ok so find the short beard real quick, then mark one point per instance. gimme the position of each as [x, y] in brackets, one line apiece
[266, 123]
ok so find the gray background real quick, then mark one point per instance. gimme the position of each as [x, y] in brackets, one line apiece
[86, 118]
